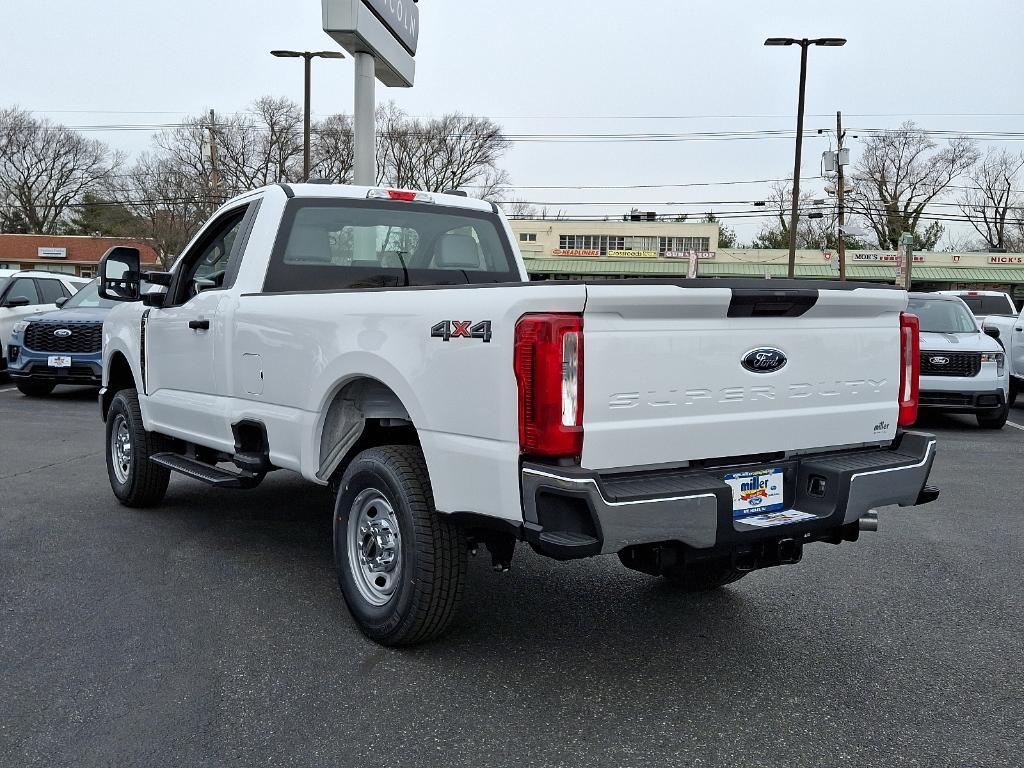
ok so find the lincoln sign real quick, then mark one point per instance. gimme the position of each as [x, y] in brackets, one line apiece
[401, 17]
[387, 29]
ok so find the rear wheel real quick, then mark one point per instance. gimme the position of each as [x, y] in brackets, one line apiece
[995, 420]
[400, 564]
[135, 480]
[35, 388]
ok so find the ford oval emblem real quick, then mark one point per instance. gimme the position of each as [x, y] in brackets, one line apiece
[62, 333]
[764, 360]
[939, 361]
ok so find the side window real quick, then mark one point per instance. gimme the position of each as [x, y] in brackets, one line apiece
[24, 287]
[50, 290]
[211, 261]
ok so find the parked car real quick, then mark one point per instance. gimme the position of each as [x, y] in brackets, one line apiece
[61, 347]
[963, 369]
[1010, 332]
[389, 344]
[25, 293]
[985, 303]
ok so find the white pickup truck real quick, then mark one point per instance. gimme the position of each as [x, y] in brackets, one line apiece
[388, 344]
[1009, 330]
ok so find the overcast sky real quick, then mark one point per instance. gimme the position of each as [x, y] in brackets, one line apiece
[545, 67]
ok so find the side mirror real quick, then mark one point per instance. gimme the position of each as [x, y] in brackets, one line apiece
[61, 301]
[993, 332]
[120, 274]
[17, 301]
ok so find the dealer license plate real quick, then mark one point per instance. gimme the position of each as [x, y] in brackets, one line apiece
[59, 361]
[755, 493]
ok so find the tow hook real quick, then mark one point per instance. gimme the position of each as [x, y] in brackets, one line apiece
[869, 522]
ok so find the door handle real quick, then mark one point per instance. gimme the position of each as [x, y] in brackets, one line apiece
[199, 325]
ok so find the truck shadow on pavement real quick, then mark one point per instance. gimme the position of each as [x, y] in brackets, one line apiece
[283, 534]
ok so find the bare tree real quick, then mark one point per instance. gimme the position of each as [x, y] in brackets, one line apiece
[45, 168]
[333, 149]
[993, 202]
[169, 200]
[811, 233]
[440, 154]
[900, 172]
[517, 208]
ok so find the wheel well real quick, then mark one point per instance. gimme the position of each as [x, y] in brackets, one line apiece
[121, 377]
[364, 413]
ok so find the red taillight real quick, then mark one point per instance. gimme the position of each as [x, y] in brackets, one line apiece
[972, 293]
[549, 370]
[910, 368]
[399, 194]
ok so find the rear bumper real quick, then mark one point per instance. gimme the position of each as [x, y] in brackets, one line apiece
[571, 512]
[952, 401]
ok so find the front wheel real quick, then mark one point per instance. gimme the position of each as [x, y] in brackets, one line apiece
[400, 564]
[996, 420]
[35, 388]
[1014, 389]
[135, 480]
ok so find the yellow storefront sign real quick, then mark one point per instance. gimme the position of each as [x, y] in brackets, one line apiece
[633, 254]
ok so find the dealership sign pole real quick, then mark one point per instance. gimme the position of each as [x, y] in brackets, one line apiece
[382, 36]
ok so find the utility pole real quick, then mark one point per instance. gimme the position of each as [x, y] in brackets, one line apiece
[365, 121]
[214, 169]
[840, 190]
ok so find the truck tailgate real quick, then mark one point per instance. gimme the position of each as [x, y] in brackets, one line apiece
[665, 381]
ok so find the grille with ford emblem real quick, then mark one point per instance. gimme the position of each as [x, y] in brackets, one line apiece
[83, 338]
[958, 364]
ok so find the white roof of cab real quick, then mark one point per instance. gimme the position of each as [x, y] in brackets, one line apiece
[349, 192]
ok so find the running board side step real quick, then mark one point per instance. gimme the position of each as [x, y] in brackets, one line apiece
[206, 473]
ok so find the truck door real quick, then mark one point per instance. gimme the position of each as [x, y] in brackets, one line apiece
[185, 339]
[1015, 348]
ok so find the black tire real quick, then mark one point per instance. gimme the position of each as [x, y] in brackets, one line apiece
[139, 482]
[704, 577]
[995, 420]
[35, 388]
[418, 597]
[1011, 399]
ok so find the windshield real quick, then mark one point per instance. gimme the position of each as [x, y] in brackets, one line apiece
[3, 283]
[89, 298]
[989, 305]
[941, 316]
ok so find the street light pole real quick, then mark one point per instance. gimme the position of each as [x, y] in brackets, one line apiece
[307, 57]
[804, 44]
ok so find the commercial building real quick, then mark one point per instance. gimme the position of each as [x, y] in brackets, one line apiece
[666, 245]
[641, 236]
[67, 254]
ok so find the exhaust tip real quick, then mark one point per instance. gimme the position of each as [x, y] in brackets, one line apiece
[869, 522]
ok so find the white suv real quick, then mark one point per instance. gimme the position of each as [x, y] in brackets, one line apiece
[963, 369]
[30, 293]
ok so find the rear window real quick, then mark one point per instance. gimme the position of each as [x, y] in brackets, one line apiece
[989, 305]
[352, 244]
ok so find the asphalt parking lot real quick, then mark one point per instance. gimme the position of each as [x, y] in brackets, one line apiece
[211, 632]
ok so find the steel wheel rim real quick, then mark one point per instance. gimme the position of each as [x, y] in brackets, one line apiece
[121, 448]
[374, 547]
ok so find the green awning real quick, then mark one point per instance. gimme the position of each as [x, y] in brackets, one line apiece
[664, 268]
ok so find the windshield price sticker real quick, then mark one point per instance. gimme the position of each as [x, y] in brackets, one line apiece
[754, 493]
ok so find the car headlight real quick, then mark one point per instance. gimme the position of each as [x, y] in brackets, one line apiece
[19, 327]
[995, 357]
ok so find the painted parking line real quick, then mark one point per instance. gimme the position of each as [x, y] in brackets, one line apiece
[1009, 424]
